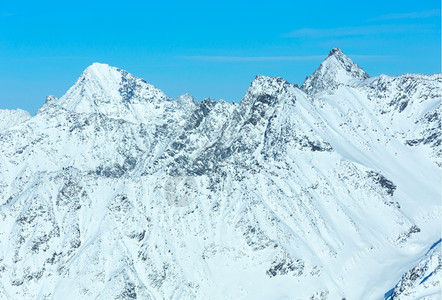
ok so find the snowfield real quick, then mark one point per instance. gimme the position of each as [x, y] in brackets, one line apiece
[328, 191]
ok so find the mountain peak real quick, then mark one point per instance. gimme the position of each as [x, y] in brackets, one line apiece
[267, 82]
[266, 89]
[269, 85]
[265, 85]
[104, 89]
[97, 67]
[143, 198]
[337, 69]
[102, 74]
[335, 51]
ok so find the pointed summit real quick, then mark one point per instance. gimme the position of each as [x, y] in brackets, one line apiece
[97, 67]
[101, 76]
[337, 69]
[335, 51]
[101, 84]
[111, 91]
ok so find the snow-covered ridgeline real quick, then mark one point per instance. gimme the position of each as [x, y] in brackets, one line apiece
[330, 191]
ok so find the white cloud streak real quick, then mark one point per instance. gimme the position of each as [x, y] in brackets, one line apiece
[357, 30]
[411, 15]
[210, 58]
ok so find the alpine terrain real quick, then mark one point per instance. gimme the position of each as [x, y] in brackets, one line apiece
[327, 191]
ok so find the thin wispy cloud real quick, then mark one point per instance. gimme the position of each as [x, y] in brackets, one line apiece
[411, 15]
[36, 58]
[357, 30]
[215, 58]
[369, 56]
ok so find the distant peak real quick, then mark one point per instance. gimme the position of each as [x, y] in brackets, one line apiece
[337, 69]
[335, 51]
[337, 59]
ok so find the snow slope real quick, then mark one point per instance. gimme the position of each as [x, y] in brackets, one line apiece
[330, 191]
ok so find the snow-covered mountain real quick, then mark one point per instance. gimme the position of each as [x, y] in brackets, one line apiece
[331, 191]
[336, 70]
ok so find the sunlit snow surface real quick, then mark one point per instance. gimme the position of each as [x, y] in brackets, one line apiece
[330, 191]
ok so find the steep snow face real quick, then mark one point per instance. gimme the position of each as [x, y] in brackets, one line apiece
[285, 195]
[337, 69]
[9, 118]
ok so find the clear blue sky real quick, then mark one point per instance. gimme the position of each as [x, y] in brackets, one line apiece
[206, 48]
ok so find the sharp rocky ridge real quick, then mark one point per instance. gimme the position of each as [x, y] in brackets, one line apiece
[327, 191]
